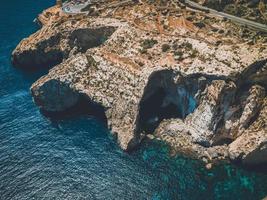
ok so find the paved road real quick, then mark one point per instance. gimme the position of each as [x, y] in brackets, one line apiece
[255, 25]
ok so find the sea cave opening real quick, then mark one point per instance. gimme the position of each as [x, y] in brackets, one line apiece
[83, 107]
[166, 101]
[152, 111]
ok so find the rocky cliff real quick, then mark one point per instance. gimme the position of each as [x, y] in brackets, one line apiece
[177, 75]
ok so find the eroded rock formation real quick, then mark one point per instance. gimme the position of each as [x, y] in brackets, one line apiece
[157, 73]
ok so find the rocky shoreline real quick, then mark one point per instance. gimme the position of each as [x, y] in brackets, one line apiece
[180, 76]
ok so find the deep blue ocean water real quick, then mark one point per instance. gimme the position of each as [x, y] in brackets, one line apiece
[76, 158]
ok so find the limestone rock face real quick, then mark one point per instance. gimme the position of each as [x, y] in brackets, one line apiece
[253, 105]
[52, 44]
[251, 147]
[50, 15]
[202, 94]
[178, 135]
[204, 120]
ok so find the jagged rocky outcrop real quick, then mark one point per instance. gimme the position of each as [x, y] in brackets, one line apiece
[54, 42]
[250, 147]
[205, 95]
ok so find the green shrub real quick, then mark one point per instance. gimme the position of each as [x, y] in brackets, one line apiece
[148, 43]
[165, 47]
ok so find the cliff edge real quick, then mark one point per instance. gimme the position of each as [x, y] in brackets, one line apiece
[157, 71]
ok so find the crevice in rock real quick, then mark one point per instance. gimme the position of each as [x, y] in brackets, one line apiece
[241, 112]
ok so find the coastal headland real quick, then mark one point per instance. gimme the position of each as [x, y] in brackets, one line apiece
[156, 70]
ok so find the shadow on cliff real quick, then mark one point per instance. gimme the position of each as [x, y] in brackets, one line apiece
[164, 98]
[258, 168]
[83, 107]
[49, 52]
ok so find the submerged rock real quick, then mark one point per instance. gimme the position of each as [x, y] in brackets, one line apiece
[190, 95]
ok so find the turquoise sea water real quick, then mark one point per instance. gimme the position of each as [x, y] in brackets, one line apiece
[76, 158]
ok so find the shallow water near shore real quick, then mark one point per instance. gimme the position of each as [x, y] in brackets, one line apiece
[76, 158]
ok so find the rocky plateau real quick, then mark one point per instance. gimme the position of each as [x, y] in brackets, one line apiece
[156, 71]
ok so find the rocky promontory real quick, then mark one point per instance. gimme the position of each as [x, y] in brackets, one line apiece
[157, 71]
